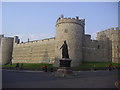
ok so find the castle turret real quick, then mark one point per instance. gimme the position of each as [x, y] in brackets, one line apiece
[116, 45]
[1, 36]
[71, 30]
[7, 48]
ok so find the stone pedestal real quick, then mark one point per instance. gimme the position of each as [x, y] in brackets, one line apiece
[64, 62]
[64, 68]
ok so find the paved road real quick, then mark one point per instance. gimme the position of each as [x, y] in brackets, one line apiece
[84, 79]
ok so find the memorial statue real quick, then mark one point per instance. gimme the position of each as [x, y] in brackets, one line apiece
[65, 63]
[64, 48]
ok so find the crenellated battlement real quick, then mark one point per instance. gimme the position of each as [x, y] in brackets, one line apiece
[76, 20]
[110, 30]
[36, 41]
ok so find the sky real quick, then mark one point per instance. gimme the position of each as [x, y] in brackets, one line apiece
[36, 20]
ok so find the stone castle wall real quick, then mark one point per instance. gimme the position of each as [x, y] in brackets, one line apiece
[41, 51]
[96, 51]
[113, 34]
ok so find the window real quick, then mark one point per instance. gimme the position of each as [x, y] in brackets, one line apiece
[98, 46]
[66, 31]
[116, 46]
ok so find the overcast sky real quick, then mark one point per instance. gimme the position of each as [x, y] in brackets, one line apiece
[36, 20]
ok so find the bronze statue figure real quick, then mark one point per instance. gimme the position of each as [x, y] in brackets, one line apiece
[64, 48]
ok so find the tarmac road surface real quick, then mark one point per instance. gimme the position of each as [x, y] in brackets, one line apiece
[84, 79]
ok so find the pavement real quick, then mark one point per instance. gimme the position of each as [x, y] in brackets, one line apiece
[40, 79]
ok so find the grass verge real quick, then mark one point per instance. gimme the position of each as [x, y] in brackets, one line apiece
[83, 66]
[31, 66]
[98, 65]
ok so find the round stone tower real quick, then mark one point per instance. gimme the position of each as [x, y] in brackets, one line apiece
[71, 30]
[7, 48]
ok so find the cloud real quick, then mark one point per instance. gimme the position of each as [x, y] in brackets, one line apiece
[35, 36]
